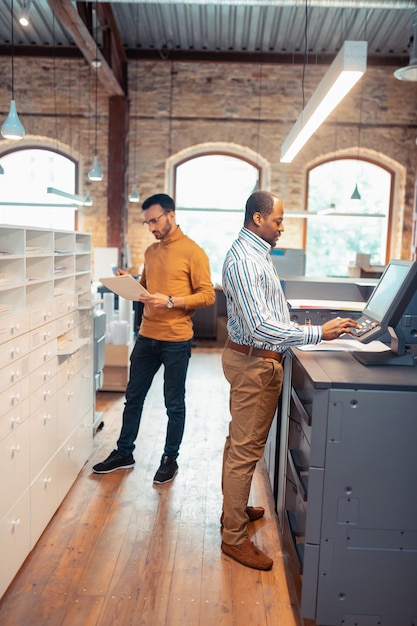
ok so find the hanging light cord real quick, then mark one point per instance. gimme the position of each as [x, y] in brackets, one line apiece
[11, 15]
[54, 79]
[171, 92]
[135, 124]
[305, 52]
[259, 109]
[95, 138]
[96, 69]
[361, 96]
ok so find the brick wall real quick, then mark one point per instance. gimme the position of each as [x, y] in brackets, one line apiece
[251, 105]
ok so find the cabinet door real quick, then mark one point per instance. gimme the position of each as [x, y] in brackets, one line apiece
[44, 499]
[14, 466]
[74, 453]
[43, 435]
[14, 540]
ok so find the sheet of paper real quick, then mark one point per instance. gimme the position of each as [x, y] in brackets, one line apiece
[338, 305]
[346, 345]
[125, 286]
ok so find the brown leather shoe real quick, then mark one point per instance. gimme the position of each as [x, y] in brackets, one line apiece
[254, 513]
[248, 554]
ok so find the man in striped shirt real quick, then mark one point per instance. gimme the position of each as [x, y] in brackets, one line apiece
[260, 331]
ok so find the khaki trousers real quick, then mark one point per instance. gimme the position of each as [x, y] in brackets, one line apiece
[255, 385]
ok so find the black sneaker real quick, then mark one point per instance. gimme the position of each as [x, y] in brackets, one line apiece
[166, 471]
[114, 462]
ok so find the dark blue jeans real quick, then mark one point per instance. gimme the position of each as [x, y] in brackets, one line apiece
[147, 357]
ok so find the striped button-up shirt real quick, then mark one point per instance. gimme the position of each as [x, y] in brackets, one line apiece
[257, 312]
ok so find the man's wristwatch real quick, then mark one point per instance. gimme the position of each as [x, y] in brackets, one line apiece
[170, 303]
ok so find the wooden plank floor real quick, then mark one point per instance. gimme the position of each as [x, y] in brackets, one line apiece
[122, 551]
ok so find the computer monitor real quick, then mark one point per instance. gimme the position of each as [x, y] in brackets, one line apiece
[383, 312]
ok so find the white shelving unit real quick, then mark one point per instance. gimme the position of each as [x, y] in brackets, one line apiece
[46, 380]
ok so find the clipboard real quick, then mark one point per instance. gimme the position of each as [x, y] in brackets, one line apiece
[125, 286]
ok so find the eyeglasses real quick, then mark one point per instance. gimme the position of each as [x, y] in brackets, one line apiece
[153, 221]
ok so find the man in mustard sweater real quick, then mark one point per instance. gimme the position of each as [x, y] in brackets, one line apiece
[177, 276]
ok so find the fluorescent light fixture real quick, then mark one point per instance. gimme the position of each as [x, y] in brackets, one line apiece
[345, 71]
[75, 199]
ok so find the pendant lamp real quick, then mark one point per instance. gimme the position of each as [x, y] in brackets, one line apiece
[12, 127]
[134, 195]
[356, 195]
[95, 174]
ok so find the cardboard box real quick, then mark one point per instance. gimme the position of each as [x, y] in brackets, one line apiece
[117, 355]
[115, 378]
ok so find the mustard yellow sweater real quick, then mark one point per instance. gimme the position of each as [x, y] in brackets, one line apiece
[178, 267]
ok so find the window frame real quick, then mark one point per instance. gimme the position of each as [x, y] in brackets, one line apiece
[354, 157]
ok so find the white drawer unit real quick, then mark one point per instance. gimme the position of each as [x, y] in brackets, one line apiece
[46, 382]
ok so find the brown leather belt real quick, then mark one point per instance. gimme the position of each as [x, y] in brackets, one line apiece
[251, 351]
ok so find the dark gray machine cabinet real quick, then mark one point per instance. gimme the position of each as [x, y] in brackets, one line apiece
[350, 489]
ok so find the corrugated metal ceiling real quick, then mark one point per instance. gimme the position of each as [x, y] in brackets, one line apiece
[262, 26]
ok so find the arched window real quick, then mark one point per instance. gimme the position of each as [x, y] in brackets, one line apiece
[210, 190]
[28, 173]
[341, 226]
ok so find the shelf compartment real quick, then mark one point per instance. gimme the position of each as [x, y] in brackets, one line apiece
[12, 272]
[12, 242]
[64, 265]
[39, 269]
[39, 293]
[12, 300]
[82, 243]
[64, 242]
[38, 242]
[64, 286]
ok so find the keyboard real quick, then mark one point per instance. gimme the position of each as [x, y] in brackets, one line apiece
[365, 325]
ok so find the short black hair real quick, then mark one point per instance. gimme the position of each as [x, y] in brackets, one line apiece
[166, 202]
[260, 201]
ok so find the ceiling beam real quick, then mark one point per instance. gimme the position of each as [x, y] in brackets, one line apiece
[278, 58]
[72, 22]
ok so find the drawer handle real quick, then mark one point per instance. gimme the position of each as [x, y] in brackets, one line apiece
[47, 418]
[15, 398]
[16, 448]
[15, 421]
[47, 481]
[14, 351]
[15, 375]
[16, 523]
[46, 394]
